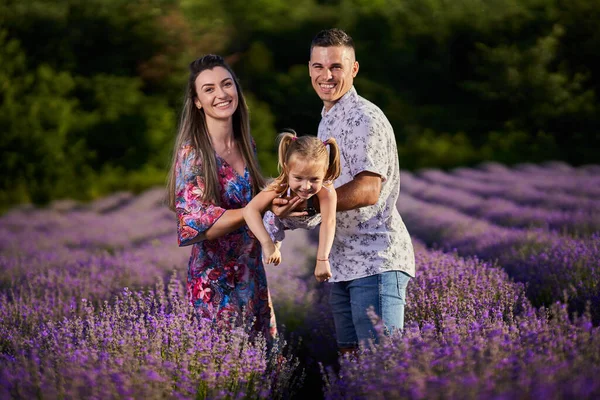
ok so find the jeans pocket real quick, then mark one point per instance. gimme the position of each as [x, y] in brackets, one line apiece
[402, 280]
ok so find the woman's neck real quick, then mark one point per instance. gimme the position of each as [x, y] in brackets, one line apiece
[221, 132]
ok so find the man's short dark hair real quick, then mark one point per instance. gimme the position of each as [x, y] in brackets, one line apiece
[332, 37]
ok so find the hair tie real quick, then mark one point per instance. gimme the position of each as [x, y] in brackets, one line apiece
[294, 138]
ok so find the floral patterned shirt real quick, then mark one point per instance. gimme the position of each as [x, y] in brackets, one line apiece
[373, 239]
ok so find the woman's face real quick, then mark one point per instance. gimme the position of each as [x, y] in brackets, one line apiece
[216, 93]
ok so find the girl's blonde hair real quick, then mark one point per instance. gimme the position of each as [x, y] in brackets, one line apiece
[193, 131]
[308, 148]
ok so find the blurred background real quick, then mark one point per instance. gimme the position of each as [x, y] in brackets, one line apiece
[90, 90]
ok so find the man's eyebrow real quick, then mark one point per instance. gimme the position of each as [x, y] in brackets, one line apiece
[334, 65]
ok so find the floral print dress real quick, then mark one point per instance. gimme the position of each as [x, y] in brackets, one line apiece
[226, 278]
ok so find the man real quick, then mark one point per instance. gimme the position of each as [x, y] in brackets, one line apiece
[372, 258]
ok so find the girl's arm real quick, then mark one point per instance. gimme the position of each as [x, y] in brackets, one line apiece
[253, 216]
[327, 200]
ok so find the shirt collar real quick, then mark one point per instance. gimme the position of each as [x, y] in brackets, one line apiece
[340, 104]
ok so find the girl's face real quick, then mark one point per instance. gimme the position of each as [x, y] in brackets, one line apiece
[305, 178]
[216, 93]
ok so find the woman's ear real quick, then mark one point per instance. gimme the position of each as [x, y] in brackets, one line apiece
[197, 103]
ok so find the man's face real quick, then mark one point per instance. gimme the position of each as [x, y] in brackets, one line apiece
[332, 71]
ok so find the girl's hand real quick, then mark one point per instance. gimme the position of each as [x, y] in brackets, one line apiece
[322, 270]
[271, 254]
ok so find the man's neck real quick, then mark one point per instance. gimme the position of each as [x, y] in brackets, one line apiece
[329, 105]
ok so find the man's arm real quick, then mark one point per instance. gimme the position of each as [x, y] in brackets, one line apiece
[361, 191]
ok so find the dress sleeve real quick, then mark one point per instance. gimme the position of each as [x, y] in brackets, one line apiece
[194, 216]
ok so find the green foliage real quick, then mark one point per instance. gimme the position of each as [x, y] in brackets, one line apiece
[95, 107]
[261, 125]
[37, 114]
[427, 149]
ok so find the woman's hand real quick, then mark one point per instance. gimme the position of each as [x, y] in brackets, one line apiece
[322, 270]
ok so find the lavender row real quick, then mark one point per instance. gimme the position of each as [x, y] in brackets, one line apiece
[528, 357]
[552, 265]
[551, 179]
[471, 334]
[69, 253]
[113, 223]
[447, 289]
[579, 222]
[519, 192]
[57, 260]
[145, 345]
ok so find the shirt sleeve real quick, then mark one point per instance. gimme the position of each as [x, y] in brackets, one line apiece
[367, 147]
[194, 215]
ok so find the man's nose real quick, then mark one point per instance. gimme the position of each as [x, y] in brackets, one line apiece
[328, 74]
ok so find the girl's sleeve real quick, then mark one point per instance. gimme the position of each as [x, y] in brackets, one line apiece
[194, 216]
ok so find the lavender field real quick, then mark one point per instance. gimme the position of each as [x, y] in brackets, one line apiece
[505, 305]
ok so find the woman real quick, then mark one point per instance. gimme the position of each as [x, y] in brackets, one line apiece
[214, 174]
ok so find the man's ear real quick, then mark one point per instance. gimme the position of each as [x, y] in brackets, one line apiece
[355, 69]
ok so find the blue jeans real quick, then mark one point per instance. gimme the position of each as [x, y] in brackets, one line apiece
[350, 300]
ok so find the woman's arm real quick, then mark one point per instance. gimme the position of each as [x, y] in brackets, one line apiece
[229, 222]
[197, 219]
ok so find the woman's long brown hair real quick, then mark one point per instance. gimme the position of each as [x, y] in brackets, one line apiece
[193, 131]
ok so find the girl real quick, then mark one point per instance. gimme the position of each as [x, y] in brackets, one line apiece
[307, 168]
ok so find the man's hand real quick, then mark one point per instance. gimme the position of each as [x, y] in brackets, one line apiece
[285, 207]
